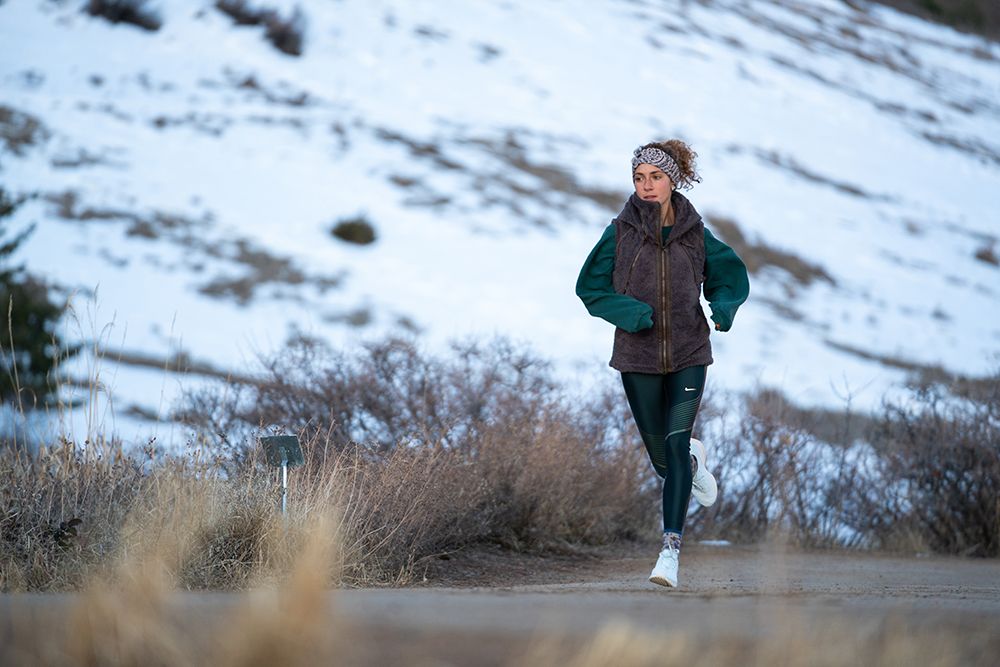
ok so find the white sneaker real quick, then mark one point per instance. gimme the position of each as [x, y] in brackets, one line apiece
[703, 486]
[665, 571]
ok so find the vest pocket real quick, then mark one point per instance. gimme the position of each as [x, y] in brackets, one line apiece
[628, 275]
[696, 255]
[628, 247]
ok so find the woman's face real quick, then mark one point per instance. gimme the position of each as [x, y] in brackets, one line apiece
[651, 184]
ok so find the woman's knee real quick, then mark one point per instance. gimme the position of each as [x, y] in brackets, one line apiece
[678, 449]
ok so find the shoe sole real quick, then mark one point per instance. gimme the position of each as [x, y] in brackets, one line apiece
[662, 581]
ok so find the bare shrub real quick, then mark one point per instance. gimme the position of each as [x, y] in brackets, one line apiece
[479, 446]
[936, 477]
[775, 476]
[550, 472]
[987, 254]
[60, 513]
[413, 505]
[134, 12]
[387, 393]
[420, 455]
[356, 230]
[922, 475]
[977, 16]
[19, 129]
[286, 34]
[241, 12]
[500, 452]
[553, 483]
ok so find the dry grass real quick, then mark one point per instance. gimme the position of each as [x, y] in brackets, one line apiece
[483, 446]
[128, 616]
[422, 456]
[70, 516]
[538, 484]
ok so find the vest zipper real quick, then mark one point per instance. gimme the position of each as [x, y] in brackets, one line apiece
[665, 360]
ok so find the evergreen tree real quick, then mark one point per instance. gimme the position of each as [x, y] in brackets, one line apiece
[29, 343]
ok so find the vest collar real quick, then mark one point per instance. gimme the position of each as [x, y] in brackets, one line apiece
[645, 216]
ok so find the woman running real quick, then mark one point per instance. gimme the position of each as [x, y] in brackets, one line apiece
[645, 276]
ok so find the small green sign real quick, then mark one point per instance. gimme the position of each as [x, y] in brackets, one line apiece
[282, 449]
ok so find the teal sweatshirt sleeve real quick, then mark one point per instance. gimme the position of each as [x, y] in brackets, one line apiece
[595, 288]
[727, 284]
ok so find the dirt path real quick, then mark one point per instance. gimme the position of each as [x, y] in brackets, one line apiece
[726, 594]
[731, 592]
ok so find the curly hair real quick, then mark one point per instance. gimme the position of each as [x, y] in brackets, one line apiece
[684, 156]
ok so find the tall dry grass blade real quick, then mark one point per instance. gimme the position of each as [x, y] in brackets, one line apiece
[292, 623]
[124, 619]
[134, 618]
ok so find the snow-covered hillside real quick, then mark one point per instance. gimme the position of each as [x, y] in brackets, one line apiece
[190, 178]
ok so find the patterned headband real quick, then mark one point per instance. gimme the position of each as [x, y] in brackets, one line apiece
[658, 158]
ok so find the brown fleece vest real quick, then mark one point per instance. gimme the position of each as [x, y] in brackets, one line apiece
[667, 276]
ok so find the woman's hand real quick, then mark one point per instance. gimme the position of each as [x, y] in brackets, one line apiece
[717, 327]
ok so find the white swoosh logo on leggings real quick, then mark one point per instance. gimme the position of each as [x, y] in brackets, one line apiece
[689, 389]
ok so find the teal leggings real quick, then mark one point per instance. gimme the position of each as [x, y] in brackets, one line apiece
[664, 408]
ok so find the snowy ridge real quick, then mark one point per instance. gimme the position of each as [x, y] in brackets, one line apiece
[194, 174]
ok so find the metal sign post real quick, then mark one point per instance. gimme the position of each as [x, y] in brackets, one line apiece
[283, 451]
